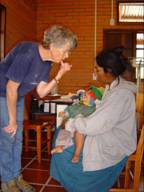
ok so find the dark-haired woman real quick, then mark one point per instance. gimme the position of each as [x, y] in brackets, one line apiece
[110, 132]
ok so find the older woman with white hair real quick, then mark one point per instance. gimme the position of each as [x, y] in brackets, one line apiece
[25, 67]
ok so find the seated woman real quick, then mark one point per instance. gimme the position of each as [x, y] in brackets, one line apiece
[110, 132]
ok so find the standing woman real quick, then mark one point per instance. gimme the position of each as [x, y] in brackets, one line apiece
[25, 67]
[110, 132]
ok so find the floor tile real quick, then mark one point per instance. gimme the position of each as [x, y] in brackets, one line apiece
[25, 162]
[44, 165]
[35, 176]
[54, 189]
[53, 182]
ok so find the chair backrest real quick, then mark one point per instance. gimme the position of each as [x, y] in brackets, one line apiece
[28, 106]
[140, 109]
[140, 102]
[137, 158]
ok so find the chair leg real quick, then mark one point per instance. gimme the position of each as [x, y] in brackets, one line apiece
[127, 176]
[49, 137]
[26, 136]
[38, 135]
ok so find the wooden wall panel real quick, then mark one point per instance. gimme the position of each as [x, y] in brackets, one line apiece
[79, 17]
[20, 21]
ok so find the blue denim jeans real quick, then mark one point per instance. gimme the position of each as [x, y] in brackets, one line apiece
[10, 147]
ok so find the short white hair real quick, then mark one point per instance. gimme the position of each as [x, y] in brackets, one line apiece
[59, 35]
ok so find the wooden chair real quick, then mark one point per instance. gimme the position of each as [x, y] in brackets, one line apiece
[37, 126]
[140, 109]
[136, 159]
[140, 102]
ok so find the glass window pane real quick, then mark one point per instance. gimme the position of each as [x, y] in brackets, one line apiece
[140, 46]
[140, 35]
[139, 53]
[131, 12]
[140, 72]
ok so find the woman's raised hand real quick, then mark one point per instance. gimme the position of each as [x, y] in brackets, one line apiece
[64, 67]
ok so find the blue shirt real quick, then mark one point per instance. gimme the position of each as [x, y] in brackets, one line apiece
[24, 65]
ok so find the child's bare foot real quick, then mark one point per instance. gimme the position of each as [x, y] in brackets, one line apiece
[58, 149]
[75, 159]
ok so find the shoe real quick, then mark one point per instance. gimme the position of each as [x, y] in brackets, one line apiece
[23, 185]
[9, 186]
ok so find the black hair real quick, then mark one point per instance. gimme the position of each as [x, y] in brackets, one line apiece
[113, 61]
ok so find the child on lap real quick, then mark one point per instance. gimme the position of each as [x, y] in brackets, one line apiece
[85, 107]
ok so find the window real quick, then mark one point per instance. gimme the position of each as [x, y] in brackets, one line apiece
[2, 30]
[140, 55]
[130, 11]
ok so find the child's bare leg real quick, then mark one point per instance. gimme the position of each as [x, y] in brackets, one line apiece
[79, 141]
[57, 149]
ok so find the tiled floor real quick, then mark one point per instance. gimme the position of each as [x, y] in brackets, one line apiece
[38, 174]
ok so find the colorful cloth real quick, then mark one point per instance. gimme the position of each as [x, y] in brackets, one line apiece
[74, 110]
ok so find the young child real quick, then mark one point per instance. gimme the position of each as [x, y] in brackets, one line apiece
[85, 107]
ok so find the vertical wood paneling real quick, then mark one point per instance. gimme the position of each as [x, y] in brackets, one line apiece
[20, 21]
[79, 17]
